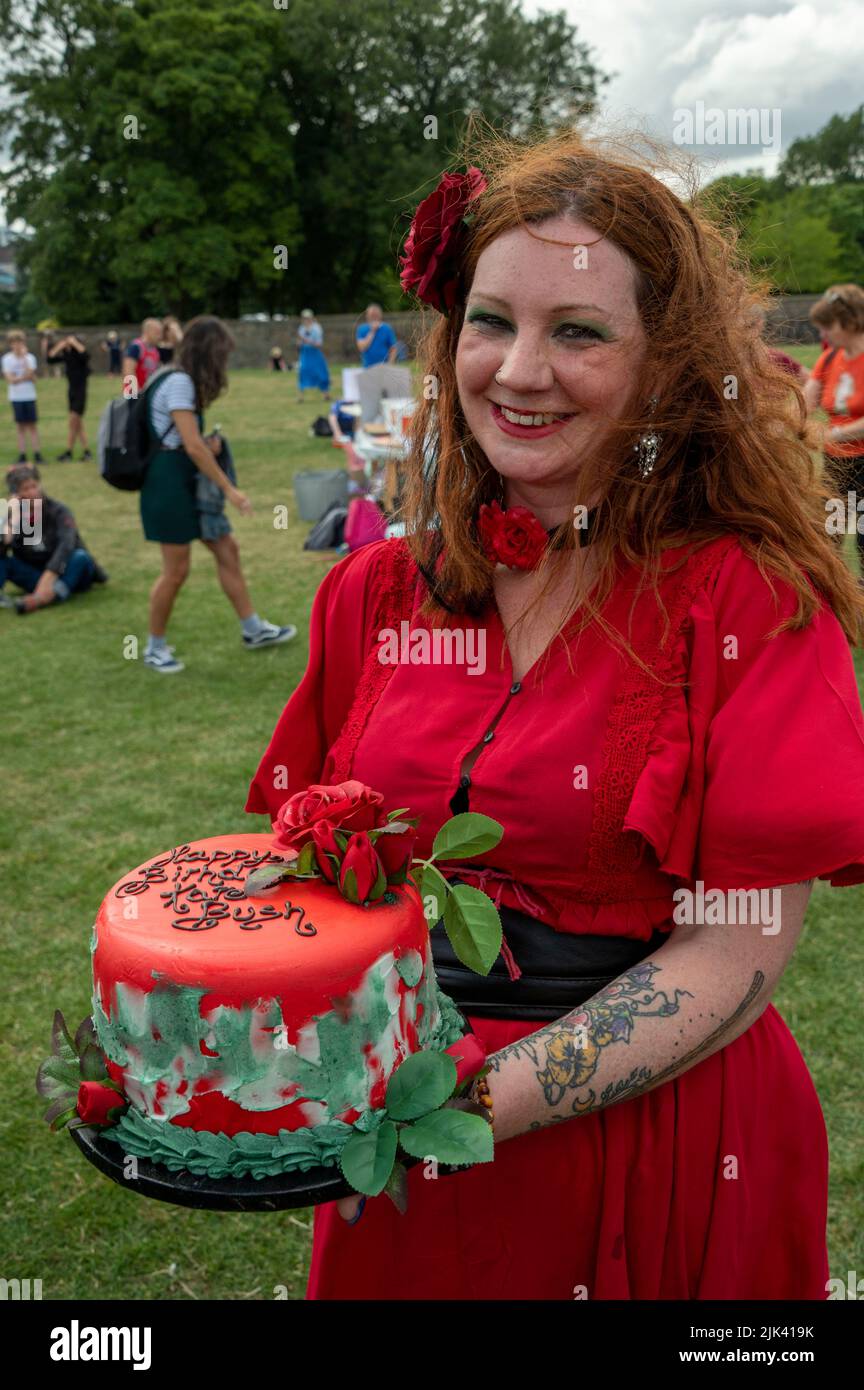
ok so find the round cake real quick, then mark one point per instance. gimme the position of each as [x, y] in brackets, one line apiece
[253, 1035]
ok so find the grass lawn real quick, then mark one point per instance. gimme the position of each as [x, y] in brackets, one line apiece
[108, 763]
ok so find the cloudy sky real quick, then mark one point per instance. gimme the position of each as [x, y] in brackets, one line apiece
[805, 59]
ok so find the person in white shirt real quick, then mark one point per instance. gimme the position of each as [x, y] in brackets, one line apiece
[19, 370]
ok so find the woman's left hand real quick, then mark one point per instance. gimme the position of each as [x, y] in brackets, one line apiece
[348, 1207]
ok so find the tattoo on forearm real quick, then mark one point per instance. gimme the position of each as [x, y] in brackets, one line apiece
[567, 1053]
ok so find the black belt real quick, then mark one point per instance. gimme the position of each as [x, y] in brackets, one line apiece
[560, 970]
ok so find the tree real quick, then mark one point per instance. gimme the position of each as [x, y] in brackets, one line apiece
[835, 154]
[167, 155]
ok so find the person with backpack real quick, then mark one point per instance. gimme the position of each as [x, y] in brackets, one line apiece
[142, 358]
[41, 550]
[179, 454]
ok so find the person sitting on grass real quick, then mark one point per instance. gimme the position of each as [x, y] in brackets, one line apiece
[40, 548]
[76, 359]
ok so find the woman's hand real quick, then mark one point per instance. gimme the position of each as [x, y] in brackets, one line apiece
[239, 500]
[348, 1207]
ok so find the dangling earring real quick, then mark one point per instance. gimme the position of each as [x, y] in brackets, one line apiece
[648, 447]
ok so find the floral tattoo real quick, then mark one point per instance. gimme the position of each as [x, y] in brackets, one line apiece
[567, 1053]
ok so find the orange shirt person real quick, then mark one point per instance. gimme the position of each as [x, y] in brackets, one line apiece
[837, 380]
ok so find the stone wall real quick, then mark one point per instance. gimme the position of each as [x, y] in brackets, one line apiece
[254, 340]
[787, 322]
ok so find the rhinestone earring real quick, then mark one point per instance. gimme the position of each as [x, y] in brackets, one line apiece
[648, 447]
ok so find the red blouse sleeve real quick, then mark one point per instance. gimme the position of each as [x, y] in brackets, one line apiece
[756, 773]
[339, 638]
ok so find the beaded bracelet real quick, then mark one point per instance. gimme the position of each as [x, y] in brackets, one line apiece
[480, 1093]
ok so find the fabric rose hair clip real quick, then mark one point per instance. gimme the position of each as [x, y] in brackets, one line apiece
[431, 259]
[343, 835]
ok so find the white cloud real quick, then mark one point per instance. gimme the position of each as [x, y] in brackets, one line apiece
[804, 58]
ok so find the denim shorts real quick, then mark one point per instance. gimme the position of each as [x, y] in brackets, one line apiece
[213, 525]
[24, 412]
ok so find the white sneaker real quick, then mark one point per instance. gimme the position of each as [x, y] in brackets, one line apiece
[269, 634]
[164, 661]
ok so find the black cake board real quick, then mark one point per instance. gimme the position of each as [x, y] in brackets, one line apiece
[289, 1190]
[183, 1189]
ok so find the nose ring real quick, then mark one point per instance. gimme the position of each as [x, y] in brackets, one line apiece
[497, 376]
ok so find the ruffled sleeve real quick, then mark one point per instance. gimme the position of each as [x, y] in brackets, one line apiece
[340, 636]
[755, 774]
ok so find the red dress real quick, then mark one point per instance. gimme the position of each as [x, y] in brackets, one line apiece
[613, 790]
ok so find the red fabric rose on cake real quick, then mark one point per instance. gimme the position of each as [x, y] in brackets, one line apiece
[95, 1100]
[514, 537]
[361, 874]
[347, 806]
[430, 259]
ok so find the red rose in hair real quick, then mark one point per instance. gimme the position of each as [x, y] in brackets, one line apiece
[515, 538]
[361, 873]
[347, 806]
[95, 1099]
[430, 259]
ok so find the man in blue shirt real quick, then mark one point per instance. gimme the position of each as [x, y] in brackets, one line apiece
[377, 341]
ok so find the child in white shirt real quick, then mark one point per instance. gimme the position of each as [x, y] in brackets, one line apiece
[19, 370]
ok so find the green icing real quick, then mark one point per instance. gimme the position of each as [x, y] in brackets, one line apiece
[410, 967]
[156, 1036]
[218, 1156]
[263, 1155]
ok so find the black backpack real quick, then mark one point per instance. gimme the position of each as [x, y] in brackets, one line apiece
[124, 445]
[329, 532]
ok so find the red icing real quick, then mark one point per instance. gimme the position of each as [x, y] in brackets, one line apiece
[309, 974]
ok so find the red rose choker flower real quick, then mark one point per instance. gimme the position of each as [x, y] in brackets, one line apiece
[515, 537]
[430, 261]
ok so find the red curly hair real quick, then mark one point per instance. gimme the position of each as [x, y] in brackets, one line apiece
[739, 462]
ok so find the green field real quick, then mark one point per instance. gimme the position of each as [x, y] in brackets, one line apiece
[108, 763]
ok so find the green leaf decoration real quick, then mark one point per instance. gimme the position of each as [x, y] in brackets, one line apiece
[261, 880]
[465, 835]
[305, 862]
[348, 886]
[396, 1187]
[434, 885]
[422, 1083]
[410, 968]
[379, 887]
[64, 1118]
[451, 1136]
[472, 923]
[61, 1042]
[92, 1064]
[61, 1106]
[56, 1076]
[367, 1159]
[396, 827]
[85, 1036]
[395, 815]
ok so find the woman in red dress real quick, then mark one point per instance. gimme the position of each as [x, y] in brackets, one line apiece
[643, 672]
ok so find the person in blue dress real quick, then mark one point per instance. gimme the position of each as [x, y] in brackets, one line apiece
[314, 372]
[376, 340]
